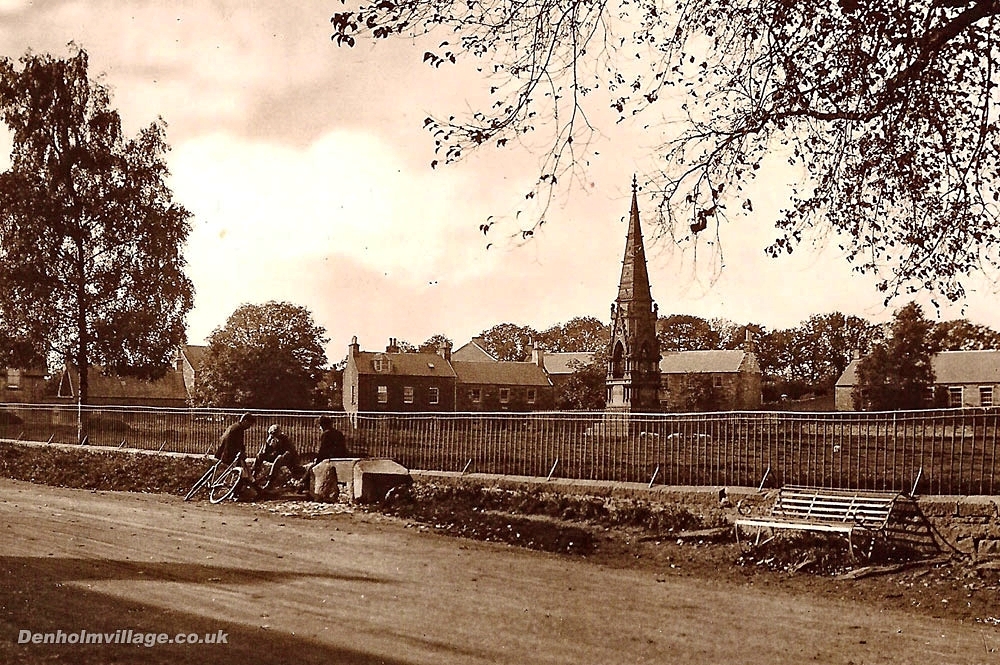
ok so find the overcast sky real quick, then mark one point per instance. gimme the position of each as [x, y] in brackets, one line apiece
[307, 170]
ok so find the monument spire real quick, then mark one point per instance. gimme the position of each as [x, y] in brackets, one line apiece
[634, 283]
[633, 377]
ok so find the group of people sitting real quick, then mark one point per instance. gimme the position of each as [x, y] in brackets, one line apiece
[278, 451]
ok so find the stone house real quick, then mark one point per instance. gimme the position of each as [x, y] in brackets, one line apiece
[722, 380]
[968, 379]
[393, 381]
[502, 386]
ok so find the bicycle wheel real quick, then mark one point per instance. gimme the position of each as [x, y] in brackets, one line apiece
[199, 484]
[225, 485]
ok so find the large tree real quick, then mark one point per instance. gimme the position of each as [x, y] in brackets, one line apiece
[897, 373]
[509, 341]
[684, 332]
[266, 356]
[91, 240]
[962, 335]
[581, 333]
[884, 112]
[825, 344]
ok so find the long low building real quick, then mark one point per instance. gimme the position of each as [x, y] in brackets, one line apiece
[971, 379]
[397, 381]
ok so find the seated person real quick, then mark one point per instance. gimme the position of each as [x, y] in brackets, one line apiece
[279, 452]
[332, 445]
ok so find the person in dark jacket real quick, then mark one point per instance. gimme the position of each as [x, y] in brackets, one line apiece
[232, 443]
[332, 445]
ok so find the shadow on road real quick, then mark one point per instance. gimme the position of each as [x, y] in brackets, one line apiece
[35, 596]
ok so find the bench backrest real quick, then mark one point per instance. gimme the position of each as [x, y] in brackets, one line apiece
[871, 509]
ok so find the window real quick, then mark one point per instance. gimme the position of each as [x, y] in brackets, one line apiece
[407, 394]
[954, 395]
[382, 365]
[532, 394]
[985, 395]
[13, 378]
[354, 394]
[383, 394]
[504, 395]
[717, 381]
[434, 395]
[476, 395]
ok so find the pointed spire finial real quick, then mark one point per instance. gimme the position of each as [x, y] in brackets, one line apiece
[635, 184]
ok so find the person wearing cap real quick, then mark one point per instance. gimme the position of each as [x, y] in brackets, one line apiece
[279, 452]
[232, 444]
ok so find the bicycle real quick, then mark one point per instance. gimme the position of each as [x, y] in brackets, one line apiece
[222, 480]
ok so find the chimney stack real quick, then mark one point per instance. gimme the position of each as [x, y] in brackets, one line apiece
[393, 346]
[444, 349]
[538, 355]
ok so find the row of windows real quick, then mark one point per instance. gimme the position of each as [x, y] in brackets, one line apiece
[677, 382]
[476, 395]
[433, 395]
[956, 395]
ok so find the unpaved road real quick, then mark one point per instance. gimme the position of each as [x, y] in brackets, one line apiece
[359, 589]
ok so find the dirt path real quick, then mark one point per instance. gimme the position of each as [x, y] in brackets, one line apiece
[358, 589]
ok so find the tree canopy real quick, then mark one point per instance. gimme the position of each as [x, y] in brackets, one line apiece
[509, 341]
[897, 373]
[266, 356]
[581, 333]
[91, 240]
[882, 113]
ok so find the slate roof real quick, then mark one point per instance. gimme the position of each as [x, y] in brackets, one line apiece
[500, 373]
[566, 362]
[405, 364]
[124, 389]
[950, 367]
[701, 362]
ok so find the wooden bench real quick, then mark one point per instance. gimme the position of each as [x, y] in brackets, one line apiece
[847, 512]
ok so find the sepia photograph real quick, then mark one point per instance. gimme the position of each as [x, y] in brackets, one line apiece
[413, 332]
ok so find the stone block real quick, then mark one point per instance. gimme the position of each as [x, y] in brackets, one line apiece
[977, 506]
[938, 506]
[373, 478]
[322, 484]
[988, 548]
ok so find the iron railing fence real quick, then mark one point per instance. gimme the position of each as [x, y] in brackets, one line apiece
[938, 452]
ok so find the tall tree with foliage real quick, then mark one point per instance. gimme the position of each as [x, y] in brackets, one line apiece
[509, 341]
[684, 332]
[581, 333]
[826, 343]
[91, 240]
[268, 356]
[884, 110]
[586, 388]
[897, 373]
[434, 342]
[962, 335]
